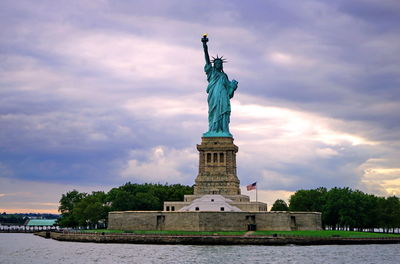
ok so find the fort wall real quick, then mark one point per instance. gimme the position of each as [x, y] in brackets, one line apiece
[213, 221]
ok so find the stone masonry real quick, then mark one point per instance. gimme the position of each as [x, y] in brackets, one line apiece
[217, 176]
[217, 167]
[214, 221]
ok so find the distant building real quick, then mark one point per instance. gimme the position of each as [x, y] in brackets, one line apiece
[41, 224]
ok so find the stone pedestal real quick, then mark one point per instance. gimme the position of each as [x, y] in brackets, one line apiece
[217, 167]
[217, 177]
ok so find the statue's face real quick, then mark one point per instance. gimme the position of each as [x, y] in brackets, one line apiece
[218, 64]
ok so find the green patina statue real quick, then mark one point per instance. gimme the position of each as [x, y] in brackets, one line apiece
[219, 90]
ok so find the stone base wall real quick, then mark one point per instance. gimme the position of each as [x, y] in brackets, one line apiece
[304, 219]
[251, 206]
[213, 221]
[174, 206]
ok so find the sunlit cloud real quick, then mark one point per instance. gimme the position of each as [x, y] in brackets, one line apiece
[107, 92]
[20, 209]
[286, 59]
[24, 196]
[377, 175]
[161, 165]
[258, 119]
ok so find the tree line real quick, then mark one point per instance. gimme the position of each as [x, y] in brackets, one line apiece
[12, 219]
[22, 218]
[341, 208]
[346, 209]
[91, 210]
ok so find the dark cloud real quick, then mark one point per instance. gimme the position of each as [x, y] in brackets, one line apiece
[383, 13]
[89, 88]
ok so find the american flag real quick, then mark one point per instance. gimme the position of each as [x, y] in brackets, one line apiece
[252, 186]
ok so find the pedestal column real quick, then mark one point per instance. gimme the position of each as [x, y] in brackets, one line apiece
[217, 167]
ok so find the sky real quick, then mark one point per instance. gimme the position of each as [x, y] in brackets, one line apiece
[94, 94]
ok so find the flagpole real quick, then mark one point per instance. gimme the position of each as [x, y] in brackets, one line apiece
[256, 194]
[251, 187]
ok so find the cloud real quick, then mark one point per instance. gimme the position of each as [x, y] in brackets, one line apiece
[286, 59]
[161, 165]
[21, 196]
[381, 176]
[291, 149]
[109, 91]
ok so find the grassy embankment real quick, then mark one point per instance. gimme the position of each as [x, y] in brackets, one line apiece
[321, 233]
[327, 233]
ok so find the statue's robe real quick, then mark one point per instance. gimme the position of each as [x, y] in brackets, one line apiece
[219, 90]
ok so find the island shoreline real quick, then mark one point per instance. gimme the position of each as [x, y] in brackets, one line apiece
[210, 239]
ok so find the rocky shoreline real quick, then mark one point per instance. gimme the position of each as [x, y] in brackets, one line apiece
[210, 239]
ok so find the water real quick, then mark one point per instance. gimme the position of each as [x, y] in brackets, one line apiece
[27, 248]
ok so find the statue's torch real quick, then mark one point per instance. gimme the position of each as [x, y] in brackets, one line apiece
[204, 39]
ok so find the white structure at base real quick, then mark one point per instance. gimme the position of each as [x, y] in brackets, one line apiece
[211, 203]
[229, 203]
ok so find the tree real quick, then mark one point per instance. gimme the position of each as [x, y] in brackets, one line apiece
[308, 200]
[121, 200]
[373, 212]
[92, 210]
[335, 208]
[146, 196]
[68, 202]
[280, 205]
[147, 202]
[390, 213]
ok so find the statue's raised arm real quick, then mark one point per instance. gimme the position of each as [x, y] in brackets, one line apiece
[205, 47]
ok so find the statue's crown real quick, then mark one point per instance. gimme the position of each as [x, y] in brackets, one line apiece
[219, 58]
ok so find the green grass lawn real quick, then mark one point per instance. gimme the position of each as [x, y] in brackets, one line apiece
[326, 233]
[321, 233]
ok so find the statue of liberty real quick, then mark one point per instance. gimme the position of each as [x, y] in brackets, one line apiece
[220, 90]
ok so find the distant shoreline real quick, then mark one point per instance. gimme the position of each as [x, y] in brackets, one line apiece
[18, 231]
[210, 239]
